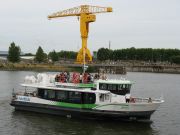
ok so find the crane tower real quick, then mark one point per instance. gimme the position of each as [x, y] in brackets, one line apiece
[86, 13]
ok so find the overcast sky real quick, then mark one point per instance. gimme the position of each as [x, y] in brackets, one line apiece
[133, 23]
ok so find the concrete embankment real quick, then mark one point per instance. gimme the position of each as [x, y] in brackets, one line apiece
[35, 67]
[107, 68]
[154, 69]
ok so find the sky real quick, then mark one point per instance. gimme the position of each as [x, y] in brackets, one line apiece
[133, 23]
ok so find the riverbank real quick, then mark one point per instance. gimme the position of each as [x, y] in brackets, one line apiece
[154, 69]
[117, 68]
[35, 67]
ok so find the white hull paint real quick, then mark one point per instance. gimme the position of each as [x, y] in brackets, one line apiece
[129, 107]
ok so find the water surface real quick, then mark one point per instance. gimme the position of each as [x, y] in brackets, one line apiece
[165, 121]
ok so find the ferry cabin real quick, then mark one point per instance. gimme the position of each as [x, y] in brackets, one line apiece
[101, 93]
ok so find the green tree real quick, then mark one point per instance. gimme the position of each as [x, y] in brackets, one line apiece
[104, 54]
[175, 59]
[144, 54]
[40, 55]
[53, 56]
[14, 53]
[67, 54]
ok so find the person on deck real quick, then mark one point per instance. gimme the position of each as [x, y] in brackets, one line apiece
[80, 78]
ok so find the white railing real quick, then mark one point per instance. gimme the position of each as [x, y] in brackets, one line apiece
[145, 100]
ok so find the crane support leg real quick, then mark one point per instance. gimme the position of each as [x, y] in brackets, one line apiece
[84, 51]
[80, 56]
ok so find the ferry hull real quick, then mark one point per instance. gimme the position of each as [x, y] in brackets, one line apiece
[82, 113]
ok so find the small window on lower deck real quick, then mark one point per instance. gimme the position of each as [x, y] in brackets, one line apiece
[104, 97]
[101, 97]
[107, 96]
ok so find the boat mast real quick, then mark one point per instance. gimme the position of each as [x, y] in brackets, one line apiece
[84, 61]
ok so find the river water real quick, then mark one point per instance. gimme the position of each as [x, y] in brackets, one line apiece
[165, 121]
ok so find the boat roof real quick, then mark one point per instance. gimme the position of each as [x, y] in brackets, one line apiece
[54, 87]
[78, 85]
[115, 81]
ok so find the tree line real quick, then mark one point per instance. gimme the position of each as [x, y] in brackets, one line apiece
[142, 54]
[40, 56]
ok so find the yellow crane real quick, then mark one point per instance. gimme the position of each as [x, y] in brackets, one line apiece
[86, 14]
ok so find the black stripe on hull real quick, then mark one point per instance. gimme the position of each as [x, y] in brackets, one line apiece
[81, 113]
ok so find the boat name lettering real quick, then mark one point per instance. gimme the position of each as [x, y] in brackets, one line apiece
[23, 98]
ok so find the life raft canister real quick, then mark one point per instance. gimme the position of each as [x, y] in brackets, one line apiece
[75, 78]
[85, 78]
[62, 78]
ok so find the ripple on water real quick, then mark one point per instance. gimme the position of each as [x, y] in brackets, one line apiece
[165, 121]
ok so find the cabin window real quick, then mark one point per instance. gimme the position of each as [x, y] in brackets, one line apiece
[74, 97]
[88, 98]
[103, 86]
[50, 94]
[41, 93]
[101, 97]
[61, 96]
[119, 87]
[114, 87]
[104, 97]
[107, 97]
[45, 94]
[110, 86]
[67, 96]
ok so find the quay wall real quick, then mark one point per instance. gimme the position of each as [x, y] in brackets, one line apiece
[154, 69]
[110, 68]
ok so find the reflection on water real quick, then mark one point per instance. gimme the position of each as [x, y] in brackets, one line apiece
[165, 120]
[48, 124]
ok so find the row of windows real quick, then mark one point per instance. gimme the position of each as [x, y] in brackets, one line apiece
[67, 96]
[120, 89]
[104, 86]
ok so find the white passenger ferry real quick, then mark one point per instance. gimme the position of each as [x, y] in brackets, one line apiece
[78, 96]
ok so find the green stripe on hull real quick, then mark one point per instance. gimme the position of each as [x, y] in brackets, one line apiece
[71, 105]
[90, 85]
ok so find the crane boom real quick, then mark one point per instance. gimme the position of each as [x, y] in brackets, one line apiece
[86, 14]
[77, 11]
